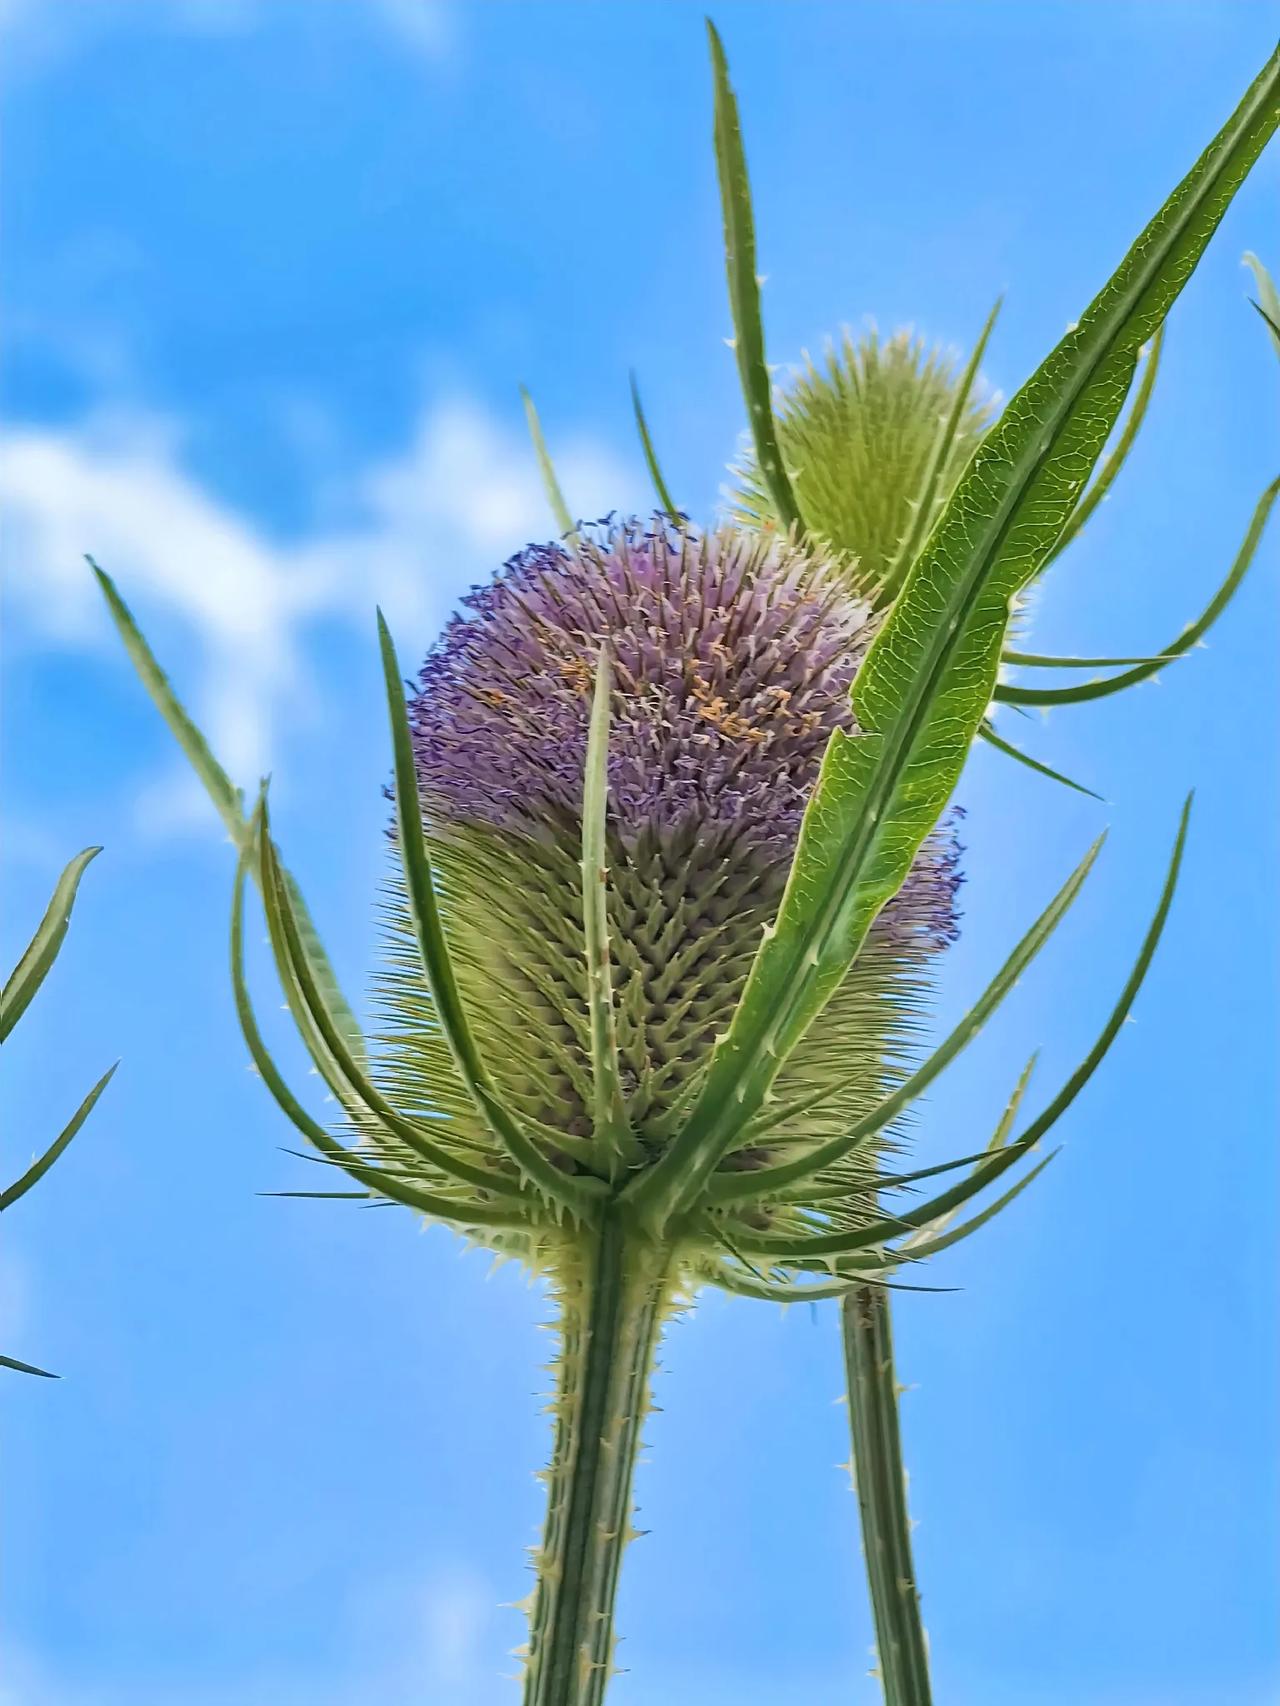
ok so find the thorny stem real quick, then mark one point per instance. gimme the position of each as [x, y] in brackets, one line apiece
[882, 1498]
[613, 1311]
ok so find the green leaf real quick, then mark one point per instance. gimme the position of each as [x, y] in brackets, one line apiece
[37, 1170]
[730, 1187]
[1011, 694]
[1268, 303]
[27, 1368]
[374, 1178]
[650, 455]
[572, 1193]
[42, 950]
[924, 687]
[226, 797]
[744, 289]
[1116, 460]
[789, 1247]
[555, 497]
[925, 511]
[986, 731]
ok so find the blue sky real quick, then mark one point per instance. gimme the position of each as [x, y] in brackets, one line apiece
[273, 273]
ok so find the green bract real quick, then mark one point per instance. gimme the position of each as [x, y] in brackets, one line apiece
[16, 996]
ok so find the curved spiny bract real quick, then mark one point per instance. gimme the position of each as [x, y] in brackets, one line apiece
[1268, 298]
[20, 989]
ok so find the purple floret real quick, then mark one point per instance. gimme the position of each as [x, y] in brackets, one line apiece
[732, 659]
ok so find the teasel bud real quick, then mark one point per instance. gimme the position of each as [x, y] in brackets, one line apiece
[873, 440]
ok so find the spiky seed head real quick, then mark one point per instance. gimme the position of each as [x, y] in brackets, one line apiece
[856, 435]
[732, 655]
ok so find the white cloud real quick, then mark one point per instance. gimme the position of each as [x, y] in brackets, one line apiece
[116, 489]
[441, 513]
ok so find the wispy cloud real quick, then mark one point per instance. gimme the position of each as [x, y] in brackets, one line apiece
[426, 522]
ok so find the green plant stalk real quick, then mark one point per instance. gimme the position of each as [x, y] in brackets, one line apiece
[612, 1314]
[882, 1497]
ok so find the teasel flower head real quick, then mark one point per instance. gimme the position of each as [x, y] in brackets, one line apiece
[873, 439]
[601, 780]
[729, 659]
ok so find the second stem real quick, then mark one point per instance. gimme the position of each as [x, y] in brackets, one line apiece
[882, 1497]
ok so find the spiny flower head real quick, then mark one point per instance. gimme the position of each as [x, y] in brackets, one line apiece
[731, 659]
[731, 664]
[857, 435]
